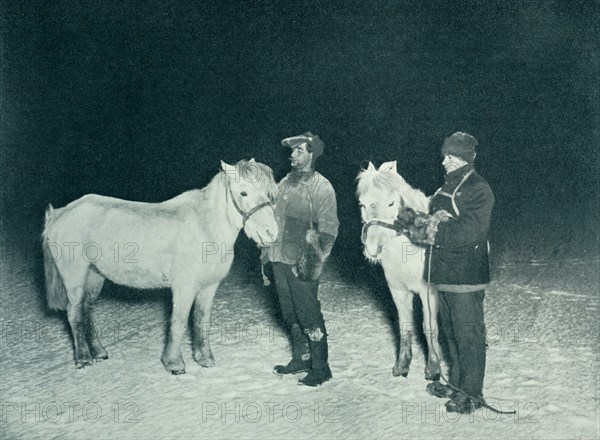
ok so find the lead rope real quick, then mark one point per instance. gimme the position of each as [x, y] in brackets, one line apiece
[266, 281]
[477, 399]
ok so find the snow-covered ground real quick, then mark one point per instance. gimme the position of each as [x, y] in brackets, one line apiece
[542, 320]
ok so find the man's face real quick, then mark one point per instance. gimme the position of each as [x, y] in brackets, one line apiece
[452, 163]
[301, 158]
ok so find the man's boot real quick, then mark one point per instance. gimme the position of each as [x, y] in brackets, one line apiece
[300, 362]
[319, 372]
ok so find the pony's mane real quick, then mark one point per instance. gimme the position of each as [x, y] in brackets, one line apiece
[393, 182]
[216, 184]
[248, 168]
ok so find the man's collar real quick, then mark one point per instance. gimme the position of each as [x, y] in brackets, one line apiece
[296, 175]
[459, 173]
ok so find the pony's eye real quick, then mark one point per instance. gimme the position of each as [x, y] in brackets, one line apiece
[391, 204]
[243, 194]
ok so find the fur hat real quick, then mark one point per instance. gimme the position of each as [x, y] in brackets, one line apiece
[316, 144]
[460, 145]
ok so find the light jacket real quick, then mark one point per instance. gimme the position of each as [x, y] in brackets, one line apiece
[302, 198]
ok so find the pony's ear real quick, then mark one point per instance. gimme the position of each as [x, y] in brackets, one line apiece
[227, 168]
[389, 167]
[371, 167]
[252, 160]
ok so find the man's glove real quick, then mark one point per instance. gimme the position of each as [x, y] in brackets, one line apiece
[406, 219]
[311, 261]
[419, 227]
[322, 243]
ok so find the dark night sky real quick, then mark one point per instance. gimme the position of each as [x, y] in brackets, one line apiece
[141, 100]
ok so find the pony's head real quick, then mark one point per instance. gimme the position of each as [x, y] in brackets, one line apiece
[379, 199]
[252, 191]
[381, 192]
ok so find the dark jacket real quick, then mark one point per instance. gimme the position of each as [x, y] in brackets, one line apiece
[460, 252]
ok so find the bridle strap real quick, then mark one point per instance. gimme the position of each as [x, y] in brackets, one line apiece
[245, 215]
[367, 225]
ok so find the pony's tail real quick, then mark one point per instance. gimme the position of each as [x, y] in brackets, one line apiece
[55, 288]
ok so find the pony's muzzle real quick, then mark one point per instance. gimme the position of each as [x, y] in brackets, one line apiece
[374, 256]
[265, 234]
[270, 236]
[371, 251]
[364, 231]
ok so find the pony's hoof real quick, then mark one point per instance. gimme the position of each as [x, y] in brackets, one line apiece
[82, 363]
[399, 372]
[434, 377]
[98, 352]
[432, 371]
[176, 366]
[100, 356]
[205, 361]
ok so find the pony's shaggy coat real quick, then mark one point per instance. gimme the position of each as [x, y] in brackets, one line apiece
[185, 243]
[382, 193]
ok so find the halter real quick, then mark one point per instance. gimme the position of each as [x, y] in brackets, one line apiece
[246, 215]
[367, 225]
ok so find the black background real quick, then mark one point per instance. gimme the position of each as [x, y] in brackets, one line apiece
[141, 100]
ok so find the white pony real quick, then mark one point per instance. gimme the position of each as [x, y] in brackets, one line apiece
[185, 243]
[381, 193]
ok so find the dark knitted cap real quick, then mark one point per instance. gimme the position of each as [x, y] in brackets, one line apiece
[460, 145]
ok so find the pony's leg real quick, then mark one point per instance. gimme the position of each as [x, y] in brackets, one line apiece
[202, 309]
[403, 299]
[73, 272]
[183, 296]
[76, 315]
[430, 316]
[93, 286]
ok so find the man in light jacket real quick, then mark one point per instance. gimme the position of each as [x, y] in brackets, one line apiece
[306, 213]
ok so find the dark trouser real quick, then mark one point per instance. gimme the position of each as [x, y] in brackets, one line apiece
[463, 327]
[300, 305]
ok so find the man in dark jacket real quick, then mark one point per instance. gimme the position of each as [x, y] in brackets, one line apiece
[457, 264]
[306, 213]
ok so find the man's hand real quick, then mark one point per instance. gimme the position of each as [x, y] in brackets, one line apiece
[422, 227]
[432, 226]
[405, 219]
[312, 237]
[321, 243]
